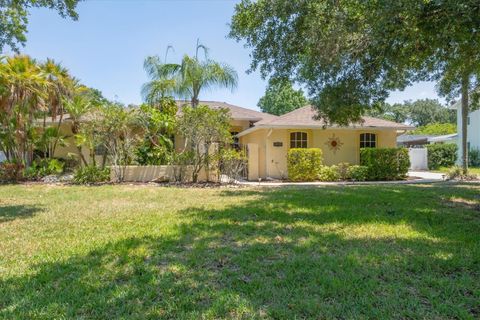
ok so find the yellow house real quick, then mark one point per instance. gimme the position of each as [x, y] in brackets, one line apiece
[269, 140]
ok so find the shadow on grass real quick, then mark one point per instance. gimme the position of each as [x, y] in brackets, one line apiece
[289, 253]
[9, 213]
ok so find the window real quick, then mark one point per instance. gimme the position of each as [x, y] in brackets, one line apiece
[298, 140]
[468, 120]
[368, 140]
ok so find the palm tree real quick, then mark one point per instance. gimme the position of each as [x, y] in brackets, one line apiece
[23, 87]
[77, 107]
[187, 79]
[161, 84]
[61, 86]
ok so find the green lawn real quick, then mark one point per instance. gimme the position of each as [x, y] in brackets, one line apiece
[471, 170]
[141, 252]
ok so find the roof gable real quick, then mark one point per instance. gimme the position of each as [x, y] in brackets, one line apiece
[304, 117]
[236, 112]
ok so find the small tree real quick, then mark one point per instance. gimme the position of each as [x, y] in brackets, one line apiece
[121, 134]
[158, 123]
[202, 128]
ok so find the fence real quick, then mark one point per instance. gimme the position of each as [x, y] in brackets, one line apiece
[418, 158]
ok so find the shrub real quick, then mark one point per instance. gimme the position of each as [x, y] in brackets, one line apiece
[441, 155]
[385, 163]
[357, 173]
[327, 173]
[456, 173]
[232, 163]
[91, 174]
[11, 171]
[304, 164]
[342, 169]
[474, 157]
[44, 167]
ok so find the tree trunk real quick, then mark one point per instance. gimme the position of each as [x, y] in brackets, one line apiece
[464, 121]
[82, 157]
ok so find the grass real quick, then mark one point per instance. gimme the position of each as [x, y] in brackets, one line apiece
[119, 252]
[471, 170]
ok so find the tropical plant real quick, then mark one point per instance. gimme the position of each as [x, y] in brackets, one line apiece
[187, 79]
[48, 139]
[202, 128]
[28, 91]
[91, 174]
[121, 134]
[78, 107]
[23, 89]
[158, 124]
[43, 167]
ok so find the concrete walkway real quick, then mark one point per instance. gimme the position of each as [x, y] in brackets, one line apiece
[421, 177]
[427, 175]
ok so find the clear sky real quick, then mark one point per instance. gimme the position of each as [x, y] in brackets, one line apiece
[106, 47]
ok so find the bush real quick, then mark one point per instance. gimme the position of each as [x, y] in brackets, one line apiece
[44, 167]
[342, 169]
[327, 173]
[148, 154]
[304, 164]
[441, 155]
[91, 174]
[456, 173]
[232, 163]
[474, 157]
[11, 171]
[385, 163]
[357, 173]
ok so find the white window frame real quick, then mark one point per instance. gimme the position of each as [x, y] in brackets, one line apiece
[299, 140]
[367, 141]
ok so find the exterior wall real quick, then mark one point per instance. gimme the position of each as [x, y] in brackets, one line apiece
[473, 132]
[272, 160]
[69, 150]
[157, 173]
[257, 138]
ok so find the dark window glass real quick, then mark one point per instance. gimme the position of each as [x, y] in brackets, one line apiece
[368, 140]
[298, 140]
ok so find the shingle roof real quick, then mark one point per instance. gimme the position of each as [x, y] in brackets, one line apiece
[236, 112]
[304, 117]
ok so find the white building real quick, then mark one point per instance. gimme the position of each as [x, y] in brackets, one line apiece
[473, 129]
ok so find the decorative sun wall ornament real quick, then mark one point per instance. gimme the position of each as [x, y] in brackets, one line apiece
[334, 143]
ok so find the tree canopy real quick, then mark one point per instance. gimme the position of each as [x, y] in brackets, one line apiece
[418, 113]
[349, 54]
[14, 18]
[280, 98]
[436, 129]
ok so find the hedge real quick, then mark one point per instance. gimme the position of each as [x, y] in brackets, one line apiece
[385, 163]
[441, 155]
[304, 164]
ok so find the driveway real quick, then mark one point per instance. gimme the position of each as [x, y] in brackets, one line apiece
[427, 175]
